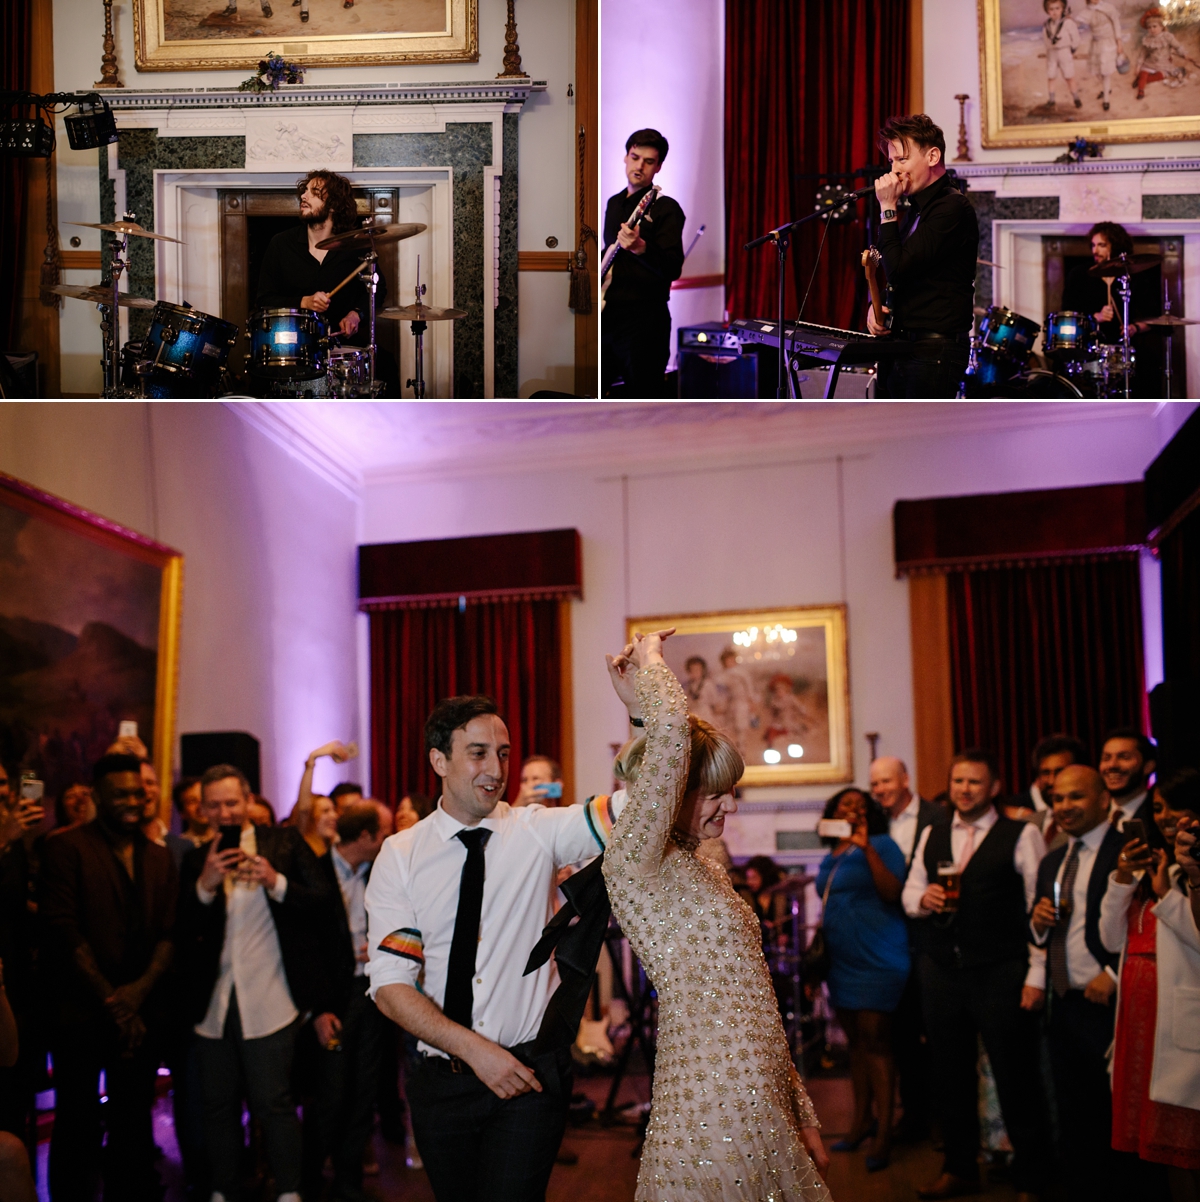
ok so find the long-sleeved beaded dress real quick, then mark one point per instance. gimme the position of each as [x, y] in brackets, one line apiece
[728, 1106]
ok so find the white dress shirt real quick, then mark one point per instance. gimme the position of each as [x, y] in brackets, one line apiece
[353, 884]
[1027, 855]
[1120, 814]
[251, 960]
[903, 827]
[412, 902]
[1082, 966]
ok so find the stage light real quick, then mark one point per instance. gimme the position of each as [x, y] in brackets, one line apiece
[32, 139]
[94, 125]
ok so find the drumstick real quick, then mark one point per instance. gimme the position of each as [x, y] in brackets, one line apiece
[347, 279]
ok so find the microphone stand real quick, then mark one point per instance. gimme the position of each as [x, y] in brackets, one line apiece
[781, 236]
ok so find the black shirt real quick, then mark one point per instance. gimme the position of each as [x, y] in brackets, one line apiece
[932, 271]
[1084, 293]
[289, 273]
[644, 281]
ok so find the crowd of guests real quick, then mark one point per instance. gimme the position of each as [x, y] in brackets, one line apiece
[1040, 951]
[232, 951]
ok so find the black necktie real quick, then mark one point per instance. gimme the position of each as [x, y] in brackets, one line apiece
[1059, 977]
[460, 993]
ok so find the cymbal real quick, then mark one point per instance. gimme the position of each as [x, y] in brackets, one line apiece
[377, 235]
[989, 263]
[1170, 320]
[421, 313]
[125, 227]
[1111, 269]
[102, 296]
[790, 884]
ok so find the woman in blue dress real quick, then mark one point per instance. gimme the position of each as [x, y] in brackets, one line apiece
[868, 959]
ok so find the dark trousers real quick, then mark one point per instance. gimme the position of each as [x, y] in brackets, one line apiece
[635, 346]
[80, 1052]
[933, 371]
[388, 1102]
[1080, 1032]
[961, 1005]
[481, 1148]
[338, 1123]
[182, 1057]
[912, 1058]
[261, 1070]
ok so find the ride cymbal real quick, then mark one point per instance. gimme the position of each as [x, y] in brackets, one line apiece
[1112, 269]
[377, 235]
[125, 227]
[421, 313]
[1170, 321]
[102, 296]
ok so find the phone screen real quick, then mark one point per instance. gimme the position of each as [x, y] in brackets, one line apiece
[127, 730]
[1134, 828]
[231, 837]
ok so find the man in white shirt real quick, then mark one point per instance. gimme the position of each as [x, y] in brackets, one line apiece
[456, 904]
[1082, 974]
[979, 977]
[1051, 755]
[1127, 764]
[246, 964]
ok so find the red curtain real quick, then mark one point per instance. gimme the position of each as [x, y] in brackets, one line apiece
[509, 650]
[1040, 649]
[808, 83]
[14, 57]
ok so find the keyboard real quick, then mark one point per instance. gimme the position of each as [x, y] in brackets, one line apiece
[842, 348]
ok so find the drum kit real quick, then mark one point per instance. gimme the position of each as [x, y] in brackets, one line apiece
[292, 352]
[1079, 362]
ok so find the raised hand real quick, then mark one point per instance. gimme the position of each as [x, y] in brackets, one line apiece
[647, 648]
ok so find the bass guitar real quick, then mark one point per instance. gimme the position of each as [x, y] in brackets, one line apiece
[610, 254]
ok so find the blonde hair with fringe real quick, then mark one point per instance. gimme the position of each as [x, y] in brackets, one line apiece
[715, 765]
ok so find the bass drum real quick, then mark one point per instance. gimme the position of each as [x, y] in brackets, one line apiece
[1037, 386]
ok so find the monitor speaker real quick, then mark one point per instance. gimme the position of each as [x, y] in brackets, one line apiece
[199, 752]
[724, 376]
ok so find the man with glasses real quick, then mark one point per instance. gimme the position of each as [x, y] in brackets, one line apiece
[107, 907]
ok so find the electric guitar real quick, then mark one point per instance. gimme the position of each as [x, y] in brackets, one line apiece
[871, 258]
[610, 254]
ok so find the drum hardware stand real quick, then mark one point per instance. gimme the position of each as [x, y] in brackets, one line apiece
[638, 995]
[1125, 288]
[417, 384]
[1170, 340]
[110, 316]
[371, 279]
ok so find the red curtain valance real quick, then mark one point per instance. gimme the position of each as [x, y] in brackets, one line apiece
[1039, 527]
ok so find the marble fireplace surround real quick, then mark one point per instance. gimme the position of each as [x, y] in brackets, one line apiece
[451, 148]
[1018, 204]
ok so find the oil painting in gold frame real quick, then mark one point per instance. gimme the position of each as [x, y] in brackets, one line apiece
[205, 35]
[1090, 52]
[774, 680]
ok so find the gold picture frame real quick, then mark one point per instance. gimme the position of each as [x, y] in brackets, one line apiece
[90, 618]
[1014, 69]
[360, 37]
[775, 680]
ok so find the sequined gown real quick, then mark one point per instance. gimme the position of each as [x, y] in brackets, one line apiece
[728, 1105]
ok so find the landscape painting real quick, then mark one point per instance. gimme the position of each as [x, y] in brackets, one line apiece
[774, 681]
[89, 619]
[172, 35]
[1104, 70]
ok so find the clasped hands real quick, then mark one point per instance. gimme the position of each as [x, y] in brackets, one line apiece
[624, 666]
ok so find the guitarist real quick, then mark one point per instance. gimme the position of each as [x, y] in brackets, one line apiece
[930, 266]
[635, 328]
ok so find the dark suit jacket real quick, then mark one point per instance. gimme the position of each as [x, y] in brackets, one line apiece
[1105, 862]
[927, 815]
[200, 935]
[86, 896]
[334, 950]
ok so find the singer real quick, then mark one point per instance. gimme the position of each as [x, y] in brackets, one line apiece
[930, 264]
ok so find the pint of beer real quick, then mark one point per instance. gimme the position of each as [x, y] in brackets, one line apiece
[949, 876]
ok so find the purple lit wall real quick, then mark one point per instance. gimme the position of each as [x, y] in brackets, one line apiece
[663, 67]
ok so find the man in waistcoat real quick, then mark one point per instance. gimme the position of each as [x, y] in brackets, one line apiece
[979, 975]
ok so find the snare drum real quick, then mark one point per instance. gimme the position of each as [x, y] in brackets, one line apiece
[288, 344]
[1070, 334]
[184, 352]
[1104, 372]
[350, 371]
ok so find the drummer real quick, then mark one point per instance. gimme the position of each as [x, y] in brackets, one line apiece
[1087, 293]
[297, 274]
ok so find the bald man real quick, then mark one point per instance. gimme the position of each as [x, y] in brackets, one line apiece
[1081, 980]
[908, 815]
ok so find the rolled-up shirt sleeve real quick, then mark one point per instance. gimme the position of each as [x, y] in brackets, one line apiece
[396, 944]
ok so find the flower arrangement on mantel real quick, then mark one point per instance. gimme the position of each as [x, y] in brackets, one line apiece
[272, 71]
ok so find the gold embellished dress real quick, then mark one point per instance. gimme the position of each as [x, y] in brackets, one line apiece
[728, 1105]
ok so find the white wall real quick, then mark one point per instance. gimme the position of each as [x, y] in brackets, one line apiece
[546, 160]
[268, 634]
[952, 67]
[753, 530]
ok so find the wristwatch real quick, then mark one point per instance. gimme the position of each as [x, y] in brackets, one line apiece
[888, 215]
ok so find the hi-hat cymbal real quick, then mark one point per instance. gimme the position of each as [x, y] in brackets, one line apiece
[125, 227]
[1111, 269]
[421, 313]
[1170, 320]
[102, 296]
[375, 234]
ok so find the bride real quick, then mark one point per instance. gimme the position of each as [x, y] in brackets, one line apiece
[730, 1117]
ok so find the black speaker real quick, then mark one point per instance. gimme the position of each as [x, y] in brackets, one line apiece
[199, 752]
[1175, 720]
[723, 376]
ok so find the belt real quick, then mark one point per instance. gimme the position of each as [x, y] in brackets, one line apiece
[452, 1064]
[932, 336]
